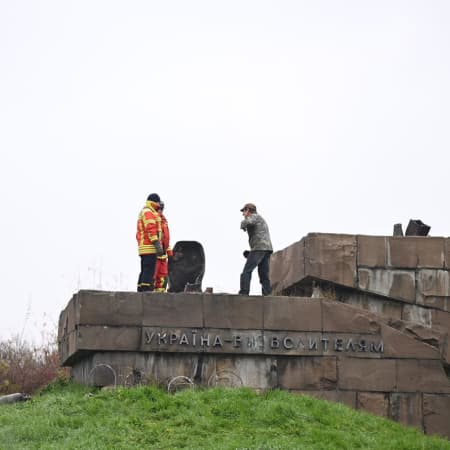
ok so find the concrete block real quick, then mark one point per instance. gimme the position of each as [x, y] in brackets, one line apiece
[418, 314]
[287, 313]
[413, 251]
[400, 345]
[376, 375]
[233, 311]
[436, 414]
[348, 319]
[108, 338]
[440, 320]
[287, 267]
[237, 371]
[373, 303]
[307, 373]
[371, 251]
[67, 348]
[373, 403]
[172, 310]
[165, 367]
[331, 257]
[423, 334]
[406, 409]
[433, 288]
[422, 376]
[398, 284]
[109, 308]
[67, 318]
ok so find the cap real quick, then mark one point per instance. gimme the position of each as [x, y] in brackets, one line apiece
[250, 206]
[154, 198]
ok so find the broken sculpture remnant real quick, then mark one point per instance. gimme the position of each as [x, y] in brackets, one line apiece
[187, 267]
[417, 228]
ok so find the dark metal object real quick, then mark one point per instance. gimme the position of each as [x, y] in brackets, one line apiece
[186, 267]
[417, 228]
[398, 230]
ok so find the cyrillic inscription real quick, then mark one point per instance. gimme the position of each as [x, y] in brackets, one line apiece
[155, 339]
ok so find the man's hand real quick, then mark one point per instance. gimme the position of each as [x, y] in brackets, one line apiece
[158, 248]
[246, 253]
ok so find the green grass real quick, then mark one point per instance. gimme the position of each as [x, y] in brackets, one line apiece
[78, 417]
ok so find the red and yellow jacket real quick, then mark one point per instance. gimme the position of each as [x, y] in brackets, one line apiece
[165, 239]
[148, 229]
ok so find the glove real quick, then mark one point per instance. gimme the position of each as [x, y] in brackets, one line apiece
[246, 253]
[158, 248]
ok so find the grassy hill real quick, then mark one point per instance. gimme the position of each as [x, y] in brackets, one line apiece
[78, 417]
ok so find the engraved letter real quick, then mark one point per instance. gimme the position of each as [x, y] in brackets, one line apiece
[184, 339]
[162, 338]
[149, 336]
[338, 345]
[194, 332]
[312, 344]
[350, 346]
[261, 341]
[325, 344]
[204, 340]
[218, 341]
[288, 343]
[236, 341]
[362, 345]
[377, 348]
[274, 342]
[173, 338]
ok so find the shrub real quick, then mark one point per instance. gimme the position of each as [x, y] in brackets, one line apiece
[26, 368]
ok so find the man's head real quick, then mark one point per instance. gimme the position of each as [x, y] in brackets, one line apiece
[155, 199]
[248, 208]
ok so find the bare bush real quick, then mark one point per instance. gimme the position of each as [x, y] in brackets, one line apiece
[26, 368]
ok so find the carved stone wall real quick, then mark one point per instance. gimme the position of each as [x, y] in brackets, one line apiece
[404, 279]
[315, 346]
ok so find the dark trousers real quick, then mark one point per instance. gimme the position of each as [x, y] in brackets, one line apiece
[260, 259]
[146, 277]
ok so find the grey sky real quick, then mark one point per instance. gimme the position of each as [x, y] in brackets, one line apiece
[331, 116]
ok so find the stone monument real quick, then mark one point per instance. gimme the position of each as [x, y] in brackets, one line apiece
[362, 320]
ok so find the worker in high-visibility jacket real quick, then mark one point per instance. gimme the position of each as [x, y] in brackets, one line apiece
[162, 265]
[148, 236]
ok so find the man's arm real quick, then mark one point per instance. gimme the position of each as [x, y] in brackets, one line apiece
[249, 221]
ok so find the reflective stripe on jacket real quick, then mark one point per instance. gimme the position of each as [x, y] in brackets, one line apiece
[148, 229]
[165, 239]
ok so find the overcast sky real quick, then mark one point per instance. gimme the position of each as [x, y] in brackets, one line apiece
[331, 116]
